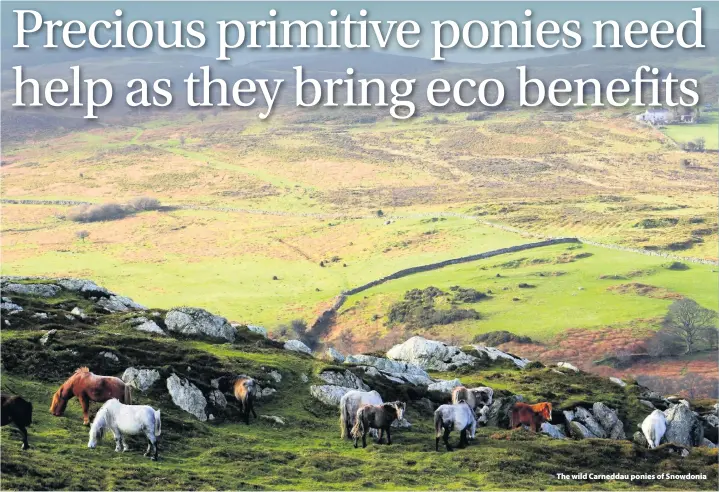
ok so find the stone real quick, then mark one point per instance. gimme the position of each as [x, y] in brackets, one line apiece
[586, 418]
[552, 431]
[346, 379]
[683, 427]
[78, 312]
[266, 392]
[335, 355]
[500, 410]
[401, 424]
[640, 440]
[276, 376]
[40, 316]
[39, 290]
[707, 443]
[111, 356]
[329, 394]
[304, 378]
[495, 353]
[399, 372]
[568, 415]
[578, 431]
[606, 417]
[617, 431]
[187, 396]
[274, 419]
[217, 398]
[618, 381]
[444, 386]
[483, 415]
[260, 330]
[647, 404]
[140, 379]
[297, 346]
[198, 322]
[47, 336]
[430, 354]
[150, 326]
[86, 287]
[567, 365]
[119, 304]
[10, 307]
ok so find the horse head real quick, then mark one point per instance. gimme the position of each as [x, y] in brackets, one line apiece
[59, 400]
[399, 407]
[547, 411]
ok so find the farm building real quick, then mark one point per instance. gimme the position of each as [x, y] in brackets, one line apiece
[655, 115]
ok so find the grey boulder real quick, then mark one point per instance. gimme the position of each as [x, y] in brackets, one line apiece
[198, 322]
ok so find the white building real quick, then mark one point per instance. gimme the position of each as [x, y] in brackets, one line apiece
[655, 115]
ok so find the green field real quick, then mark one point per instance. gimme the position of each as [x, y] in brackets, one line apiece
[708, 129]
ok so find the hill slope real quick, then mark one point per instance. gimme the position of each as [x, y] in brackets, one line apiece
[304, 453]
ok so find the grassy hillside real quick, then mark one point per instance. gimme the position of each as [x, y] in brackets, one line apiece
[306, 453]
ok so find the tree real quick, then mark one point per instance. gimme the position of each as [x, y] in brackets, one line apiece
[299, 326]
[201, 116]
[346, 340]
[664, 343]
[689, 321]
[82, 235]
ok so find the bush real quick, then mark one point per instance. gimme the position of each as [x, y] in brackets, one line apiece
[494, 338]
[418, 310]
[676, 265]
[144, 203]
[97, 213]
[476, 116]
[467, 295]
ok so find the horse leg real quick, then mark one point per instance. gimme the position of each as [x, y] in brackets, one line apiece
[85, 404]
[381, 436]
[445, 438]
[389, 437]
[23, 431]
[252, 407]
[463, 439]
[364, 437]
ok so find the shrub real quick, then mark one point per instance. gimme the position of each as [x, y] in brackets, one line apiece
[494, 338]
[144, 203]
[676, 265]
[82, 235]
[97, 213]
[417, 310]
[467, 295]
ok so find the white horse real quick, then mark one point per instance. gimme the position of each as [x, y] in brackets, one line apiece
[459, 417]
[654, 427]
[350, 403]
[126, 419]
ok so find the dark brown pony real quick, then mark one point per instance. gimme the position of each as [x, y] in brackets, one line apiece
[377, 417]
[531, 415]
[245, 390]
[18, 411]
[89, 387]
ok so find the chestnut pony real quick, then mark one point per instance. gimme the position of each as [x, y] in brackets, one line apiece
[531, 415]
[88, 387]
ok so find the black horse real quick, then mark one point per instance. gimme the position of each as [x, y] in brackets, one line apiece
[17, 410]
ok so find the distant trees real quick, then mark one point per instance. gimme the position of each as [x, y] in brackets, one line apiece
[692, 324]
[112, 211]
[696, 145]
[82, 235]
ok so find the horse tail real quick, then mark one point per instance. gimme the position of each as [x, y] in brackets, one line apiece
[343, 419]
[437, 422]
[358, 428]
[513, 418]
[158, 425]
[128, 395]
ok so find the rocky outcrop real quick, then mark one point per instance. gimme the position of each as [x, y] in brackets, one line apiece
[683, 427]
[81, 286]
[119, 304]
[430, 355]
[39, 290]
[198, 322]
[600, 422]
[335, 355]
[141, 379]
[578, 431]
[640, 440]
[585, 417]
[345, 379]
[500, 411]
[444, 386]
[187, 396]
[297, 346]
[329, 394]
[552, 431]
[397, 372]
[217, 398]
[495, 353]
[146, 325]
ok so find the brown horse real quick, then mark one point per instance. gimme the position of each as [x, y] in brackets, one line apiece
[17, 410]
[531, 415]
[89, 387]
[245, 390]
[377, 417]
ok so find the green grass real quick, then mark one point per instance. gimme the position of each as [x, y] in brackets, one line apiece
[307, 453]
[708, 129]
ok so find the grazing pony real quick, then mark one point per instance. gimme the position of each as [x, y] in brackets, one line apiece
[531, 415]
[88, 387]
[245, 390]
[458, 416]
[350, 403]
[654, 427]
[476, 398]
[377, 417]
[17, 410]
[126, 419]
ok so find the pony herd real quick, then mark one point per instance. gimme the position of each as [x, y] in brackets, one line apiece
[361, 412]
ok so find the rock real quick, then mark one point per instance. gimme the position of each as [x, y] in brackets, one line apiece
[40, 290]
[86, 287]
[585, 417]
[483, 415]
[304, 378]
[552, 431]
[47, 336]
[401, 424]
[495, 353]
[198, 322]
[606, 417]
[329, 394]
[260, 330]
[266, 392]
[111, 356]
[707, 443]
[276, 376]
[274, 419]
[10, 307]
[499, 411]
[335, 355]
[618, 381]
[429, 354]
[444, 386]
[683, 427]
[617, 432]
[567, 365]
[217, 398]
[70, 317]
[647, 404]
[346, 379]
[187, 396]
[297, 346]
[398, 372]
[119, 304]
[568, 415]
[141, 379]
[578, 431]
[78, 312]
[150, 326]
[640, 440]
[40, 316]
